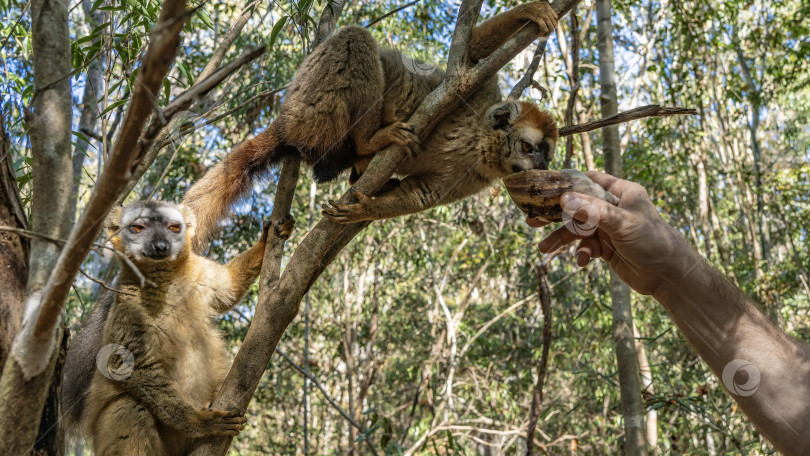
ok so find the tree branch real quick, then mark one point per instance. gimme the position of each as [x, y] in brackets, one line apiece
[391, 13]
[626, 116]
[163, 122]
[528, 77]
[162, 126]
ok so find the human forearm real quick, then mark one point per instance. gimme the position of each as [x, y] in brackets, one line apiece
[734, 337]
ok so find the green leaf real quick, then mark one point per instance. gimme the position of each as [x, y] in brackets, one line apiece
[114, 105]
[277, 29]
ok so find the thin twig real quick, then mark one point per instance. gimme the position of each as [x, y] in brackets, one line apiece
[626, 116]
[19, 19]
[104, 285]
[528, 76]
[31, 234]
[370, 24]
[124, 259]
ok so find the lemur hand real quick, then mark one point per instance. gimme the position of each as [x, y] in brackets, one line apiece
[352, 212]
[541, 13]
[217, 423]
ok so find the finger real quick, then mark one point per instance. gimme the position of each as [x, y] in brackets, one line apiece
[593, 212]
[610, 183]
[587, 249]
[535, 223]
[560, 237]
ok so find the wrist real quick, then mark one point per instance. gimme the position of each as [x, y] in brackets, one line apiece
[690, 273]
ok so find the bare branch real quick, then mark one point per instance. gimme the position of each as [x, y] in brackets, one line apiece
[162, 125]
[528, 77]
[226, 42]
[626, 116]
[104, 285]
[185, 99]
[458, 56]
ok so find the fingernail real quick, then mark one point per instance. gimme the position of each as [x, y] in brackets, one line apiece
[582, 259]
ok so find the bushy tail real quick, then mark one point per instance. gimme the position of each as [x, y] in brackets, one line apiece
[213, 196]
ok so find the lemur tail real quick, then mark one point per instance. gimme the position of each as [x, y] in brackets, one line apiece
[213, 196]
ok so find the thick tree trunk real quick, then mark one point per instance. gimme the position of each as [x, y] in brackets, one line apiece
[49, 128]
[626, 356]
[13, 251]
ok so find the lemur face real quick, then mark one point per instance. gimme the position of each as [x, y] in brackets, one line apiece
[531, 136]
[151, 230]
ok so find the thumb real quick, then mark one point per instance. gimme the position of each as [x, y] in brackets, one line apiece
[593, 211]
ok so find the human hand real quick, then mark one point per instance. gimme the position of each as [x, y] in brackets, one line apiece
[632, 237]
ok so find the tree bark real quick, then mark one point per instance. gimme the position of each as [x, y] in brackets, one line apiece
[13, 251]
[24, 395]
[626, 356]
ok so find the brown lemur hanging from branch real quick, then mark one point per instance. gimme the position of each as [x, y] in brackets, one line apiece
[141, 371]
[350, 99]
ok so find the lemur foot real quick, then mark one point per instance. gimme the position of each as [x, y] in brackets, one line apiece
[541, 13]
[399, 133]
[285, 228]
[349, 213]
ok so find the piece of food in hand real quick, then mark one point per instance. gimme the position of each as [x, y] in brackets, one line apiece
[537, 192]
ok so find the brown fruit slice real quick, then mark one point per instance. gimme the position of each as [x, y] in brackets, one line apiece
[537, 192]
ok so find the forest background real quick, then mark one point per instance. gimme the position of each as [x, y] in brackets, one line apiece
[426, 330]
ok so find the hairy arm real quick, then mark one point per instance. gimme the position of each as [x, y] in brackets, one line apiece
[765, 370]
[142, 377]
[241, 272]
[493, 32]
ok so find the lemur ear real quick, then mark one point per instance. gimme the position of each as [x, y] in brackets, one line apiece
[113, 222]
[503, 114]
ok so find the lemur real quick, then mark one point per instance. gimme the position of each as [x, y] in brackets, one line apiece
[142, 370]
[350, 99]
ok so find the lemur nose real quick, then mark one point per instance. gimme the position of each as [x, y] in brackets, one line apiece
[161, 247]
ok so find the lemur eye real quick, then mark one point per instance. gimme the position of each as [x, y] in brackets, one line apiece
[528, 147]
[136, 228]
[175, 228]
